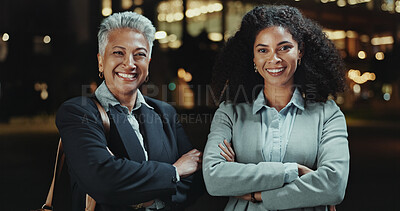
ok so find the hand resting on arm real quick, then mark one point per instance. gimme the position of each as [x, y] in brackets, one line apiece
[229, 154]
[189, 163]
[186, 165]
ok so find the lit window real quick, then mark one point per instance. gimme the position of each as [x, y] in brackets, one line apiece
[107, 5]
[385, 40]
[216, 37]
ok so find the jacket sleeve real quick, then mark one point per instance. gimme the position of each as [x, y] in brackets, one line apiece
[224, 178]
[326, 185]
[108, 179]
[189, 188]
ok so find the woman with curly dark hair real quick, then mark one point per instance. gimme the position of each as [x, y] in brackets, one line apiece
[282, 144]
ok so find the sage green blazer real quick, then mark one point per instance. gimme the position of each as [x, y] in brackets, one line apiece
[318, 141]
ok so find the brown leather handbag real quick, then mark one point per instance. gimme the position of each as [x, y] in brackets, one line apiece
[60, 157]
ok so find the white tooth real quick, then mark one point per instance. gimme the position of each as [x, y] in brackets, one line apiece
[126, 75]
[275, 70]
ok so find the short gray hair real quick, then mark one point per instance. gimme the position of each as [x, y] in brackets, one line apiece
[130, 20]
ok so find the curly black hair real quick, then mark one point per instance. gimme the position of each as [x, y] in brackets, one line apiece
[320, 74]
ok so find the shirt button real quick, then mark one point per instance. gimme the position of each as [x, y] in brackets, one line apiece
[174, 179]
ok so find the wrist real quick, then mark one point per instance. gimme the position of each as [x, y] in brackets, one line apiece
[254, 198]
[178, 177]
[176, 169]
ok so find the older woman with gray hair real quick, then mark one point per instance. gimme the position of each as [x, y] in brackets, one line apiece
[147, 161]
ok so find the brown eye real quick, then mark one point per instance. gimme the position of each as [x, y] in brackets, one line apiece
[140, 55]
[119, 53]
[262, 50]
[286, 47]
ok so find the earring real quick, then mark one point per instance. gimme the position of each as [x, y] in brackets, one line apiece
[255, 68]
[147, 79]
[101, 74]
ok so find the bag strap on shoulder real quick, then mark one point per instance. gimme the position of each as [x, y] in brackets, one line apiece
[104, 117]
[60, 158]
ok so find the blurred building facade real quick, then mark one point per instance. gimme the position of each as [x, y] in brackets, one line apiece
[48, 49]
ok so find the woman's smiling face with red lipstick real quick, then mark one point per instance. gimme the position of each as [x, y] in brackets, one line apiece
[125, 61]
[276, 54]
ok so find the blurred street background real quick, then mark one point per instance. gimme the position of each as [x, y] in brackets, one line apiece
[48, 55]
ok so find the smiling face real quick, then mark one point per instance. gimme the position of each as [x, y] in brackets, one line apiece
[125, 62]
[276, 54]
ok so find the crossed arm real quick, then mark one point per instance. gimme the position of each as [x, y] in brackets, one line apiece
[229, 154]
[323, 186]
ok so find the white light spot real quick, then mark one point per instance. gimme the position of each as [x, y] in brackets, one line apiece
[362, 55]
[379, 56]
[160, 35]
[357, 89]
[106, 11]
[5, 37]
[46, 39]
[214, 36]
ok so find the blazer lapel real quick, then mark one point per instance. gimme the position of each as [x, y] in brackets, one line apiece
[260, 136]
[252, 134]
[127, 134]
[152, 129]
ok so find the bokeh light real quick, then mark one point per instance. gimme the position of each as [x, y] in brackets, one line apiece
[188, 77]
[5, 37]
[356, 89]
[379, 55]
[181, 73]
[362, 55]
[160, 35]
[46, 39]
[172, 86]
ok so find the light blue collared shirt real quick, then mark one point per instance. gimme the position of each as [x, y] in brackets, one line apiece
[277, 127]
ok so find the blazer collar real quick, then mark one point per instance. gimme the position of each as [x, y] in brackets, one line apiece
[152, 129]
[127, 134]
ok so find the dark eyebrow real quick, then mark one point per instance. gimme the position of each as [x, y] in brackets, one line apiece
[262, 45]
[284, 42]
[281, 43]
